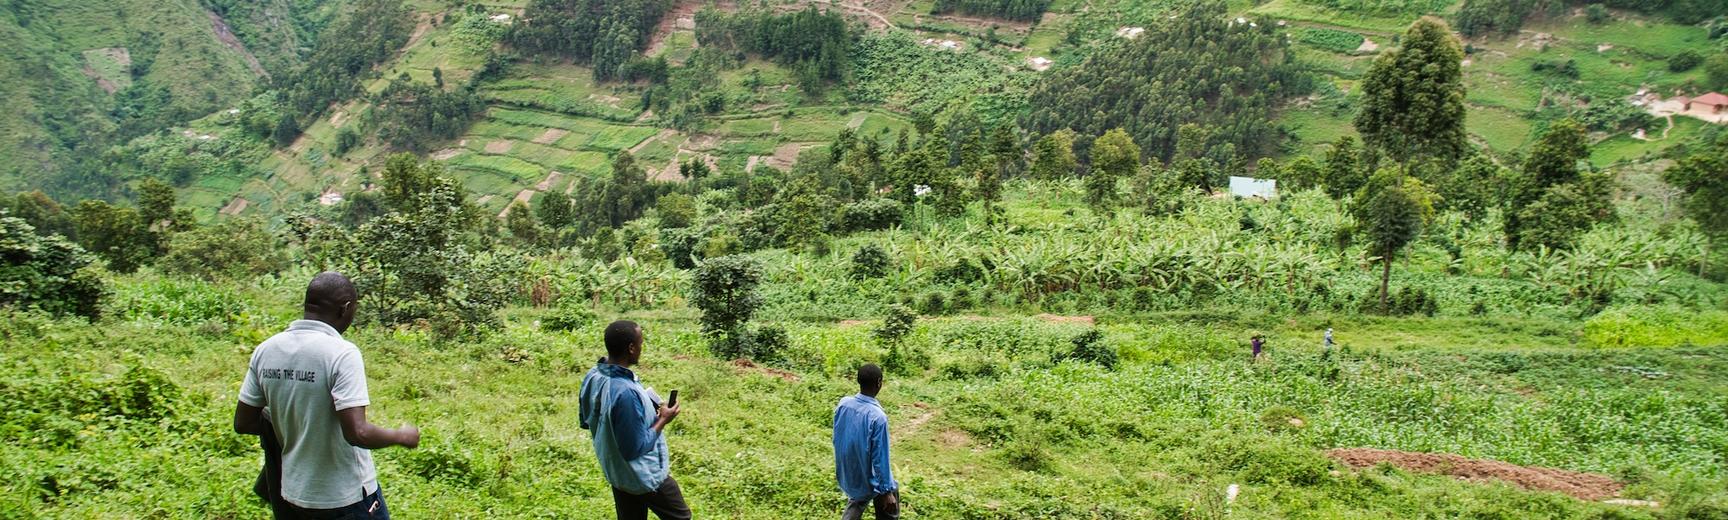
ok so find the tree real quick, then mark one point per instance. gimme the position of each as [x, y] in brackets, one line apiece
[156, 211]
[234, 249]
[46, 272]
[1114, 157]
[1716, 69]
[520, 221]
[676, 210]
[1393, 221]
[1299, 174]
[418, 261]
[1473, 187]
[1703, 177]
[286, 131]
[1553, 161]
[804, 210]
[1053, 155]
[1413, 98]
[725, 292]
[1684, 61]
[555, 211]
[42, 213]
[437, 77]
[1343, 172]
[115, 233]
[694, 169]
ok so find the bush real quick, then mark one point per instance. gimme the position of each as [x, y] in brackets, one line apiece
[871, 215]
[230, 250]
[1684, 61]
[568, 317]
[963, 270]
[871, 261]
[896, 325]
[765, 344]
[46, 272]
[1283, 418]
[1089, 347]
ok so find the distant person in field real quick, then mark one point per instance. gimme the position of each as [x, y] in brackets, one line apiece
[628, 423]
[305, 389]
[861, 451]
[1258, 342]
[1329, 342]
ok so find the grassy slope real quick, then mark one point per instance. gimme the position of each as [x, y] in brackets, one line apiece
[46, 81]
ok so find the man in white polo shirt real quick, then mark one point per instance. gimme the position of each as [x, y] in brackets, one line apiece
[311, 384]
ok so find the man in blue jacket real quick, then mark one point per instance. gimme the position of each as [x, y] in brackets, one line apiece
[627, 422]
[861, 451]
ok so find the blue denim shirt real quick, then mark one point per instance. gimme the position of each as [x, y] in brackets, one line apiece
[616, 408]
[861, 448]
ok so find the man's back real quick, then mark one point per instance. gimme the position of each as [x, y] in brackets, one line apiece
[615, 408]
[302, 377]
[861, 448]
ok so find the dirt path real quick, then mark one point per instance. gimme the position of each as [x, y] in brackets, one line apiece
[857, 120]
[1586, 486]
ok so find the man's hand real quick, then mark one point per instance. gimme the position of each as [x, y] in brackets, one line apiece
[410, 436]
[664, 416]
[890, 502]
[360, 432]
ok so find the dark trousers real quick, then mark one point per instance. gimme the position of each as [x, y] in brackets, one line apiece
[369, 507]
[667, 503]
[884, 511]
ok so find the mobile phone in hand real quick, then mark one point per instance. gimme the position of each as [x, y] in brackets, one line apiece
[673, 402]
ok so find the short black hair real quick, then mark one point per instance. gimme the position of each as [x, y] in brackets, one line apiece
[328, 292]
[869, 376]
[620, 336]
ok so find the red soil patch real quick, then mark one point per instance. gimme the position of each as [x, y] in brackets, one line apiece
[1586, 486]
[745, 366]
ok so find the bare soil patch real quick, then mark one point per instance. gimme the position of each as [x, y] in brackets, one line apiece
[551, 135]
[1367, 46]
[235, 206]
[1080, 320]
[1586, 486]
[500, 146]
[446, 154]
[226, 36]
[745, 366]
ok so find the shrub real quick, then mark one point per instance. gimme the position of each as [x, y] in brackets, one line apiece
[933, 303]
[179, 302]
[568, 317]
[896, 325]
[1684, 61]
[46, 272]
[963, 270]
[765, 344]
[871, 215]
[871, 261]
[1283, 418]
[1089, 347]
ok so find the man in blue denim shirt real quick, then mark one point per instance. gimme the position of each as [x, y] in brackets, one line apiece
[631, 449]
[861, 451]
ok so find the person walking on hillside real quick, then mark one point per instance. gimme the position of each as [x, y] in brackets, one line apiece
[1329, 342]
[628, 422]
[861, 451]
[1258, 343]
[305, 388]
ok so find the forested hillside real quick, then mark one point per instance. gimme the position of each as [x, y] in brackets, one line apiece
[81, 76]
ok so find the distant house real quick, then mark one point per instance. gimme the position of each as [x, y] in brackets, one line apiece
[1249, 187]
[1713, 103]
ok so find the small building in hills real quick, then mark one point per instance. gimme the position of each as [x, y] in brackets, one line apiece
[1712, 103]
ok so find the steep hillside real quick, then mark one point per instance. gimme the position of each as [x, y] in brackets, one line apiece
[82, 75]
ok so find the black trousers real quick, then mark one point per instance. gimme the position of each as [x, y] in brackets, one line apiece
[667, 503]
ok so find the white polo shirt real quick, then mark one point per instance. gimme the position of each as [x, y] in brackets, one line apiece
[302, 377]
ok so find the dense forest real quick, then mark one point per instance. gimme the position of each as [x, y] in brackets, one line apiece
[415, 116]
[813, 42]
[372, 32]
[1023, 10]
[1198, 67]
[604, 34]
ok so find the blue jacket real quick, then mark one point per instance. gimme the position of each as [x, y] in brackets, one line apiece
[861, 448]
[616, 408]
